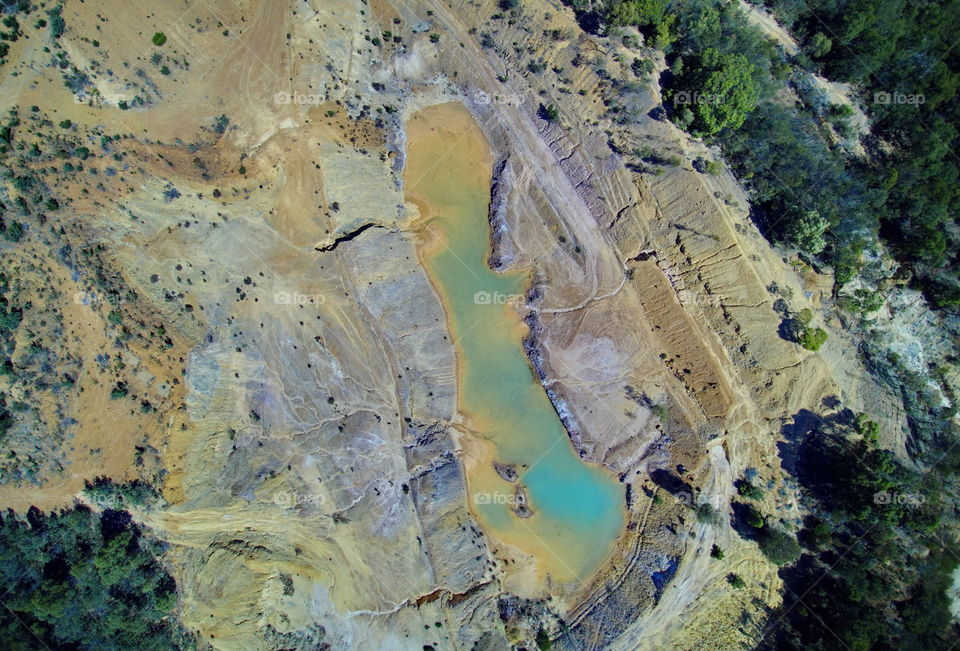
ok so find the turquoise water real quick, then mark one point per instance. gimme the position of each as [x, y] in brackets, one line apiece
[578, 508]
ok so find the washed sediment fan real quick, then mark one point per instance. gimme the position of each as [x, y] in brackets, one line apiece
[572, 511]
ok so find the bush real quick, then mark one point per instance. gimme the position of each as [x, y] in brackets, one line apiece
[107, 494]
[119, 390]
[548, 112]
[806, 231]
[159, 39]
[721, 88]
[735, 581]
[57, 26]
[779, 546]
[707, 514]
[754, 518]
[544, 643]
[813, 338]
[749, 491]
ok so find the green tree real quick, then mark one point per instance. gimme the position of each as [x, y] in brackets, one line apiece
[806, 231]
[813, 338]
[820, 45]
[722, 90]
[778, 545]
[549, 112]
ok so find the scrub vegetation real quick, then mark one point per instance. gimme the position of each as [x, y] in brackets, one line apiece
[729, 82]
[874, 560]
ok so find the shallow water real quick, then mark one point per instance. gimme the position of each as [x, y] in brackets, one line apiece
[578, 509]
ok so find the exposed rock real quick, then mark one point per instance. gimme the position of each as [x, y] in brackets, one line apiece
[507, 471]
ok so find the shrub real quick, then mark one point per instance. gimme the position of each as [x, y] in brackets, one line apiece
[57, 26]
[806, 231]
[13, 232]
[707, 514]
[220, 124]
[749, 491]
[755, 518]
[725, 87]
[159, 39]
[735, 581]
[813, 338]
[548, 112]
[779, 546]
[543, 640]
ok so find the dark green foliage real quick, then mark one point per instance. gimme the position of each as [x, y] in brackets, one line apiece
[220, 124]
[754, 518]
[748, 490]
[778, 545]
[650, 16]
[879, 560]
[6, 417]
[119, 390]
[57, 26]
[548, 112]
[12, 230]
[812, 338]
[107, 494]
[868, 429]
[159, 39]
[797, 328]
[720, 88]
[544, 643]
[707, 514]
[895, 48]
[79, 580]
[716, 552]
